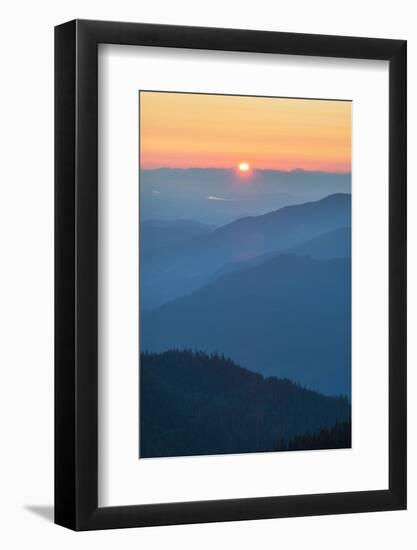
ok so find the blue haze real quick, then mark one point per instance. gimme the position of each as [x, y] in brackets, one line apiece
[262, 275]
[218, 196]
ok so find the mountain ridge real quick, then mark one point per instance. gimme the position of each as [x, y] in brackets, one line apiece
[260, 315]
[175, 193]
[174, 271]
[332, 244]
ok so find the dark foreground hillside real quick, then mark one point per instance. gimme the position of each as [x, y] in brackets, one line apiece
[338, 436]
[192, 403]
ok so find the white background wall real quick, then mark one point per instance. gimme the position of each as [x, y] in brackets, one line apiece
[26, 289]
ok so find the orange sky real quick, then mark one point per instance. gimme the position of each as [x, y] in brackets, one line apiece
[200, 130]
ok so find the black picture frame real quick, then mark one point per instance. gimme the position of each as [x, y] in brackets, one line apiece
[76, 273]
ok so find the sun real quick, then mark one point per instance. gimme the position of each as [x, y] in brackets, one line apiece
[244, 167]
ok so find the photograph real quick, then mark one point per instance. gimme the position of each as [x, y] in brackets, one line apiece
[209, 260]
[244, 274]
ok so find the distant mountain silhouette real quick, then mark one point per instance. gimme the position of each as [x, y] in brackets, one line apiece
[219, 196]
[333, 244]
[156, 234]
[192, 403]
[288, 317]
[180, 223]
[178, 270]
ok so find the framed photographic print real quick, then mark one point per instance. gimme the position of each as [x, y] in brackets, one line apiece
[230, 235]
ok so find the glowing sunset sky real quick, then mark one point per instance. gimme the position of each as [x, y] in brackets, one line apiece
[215, 131]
